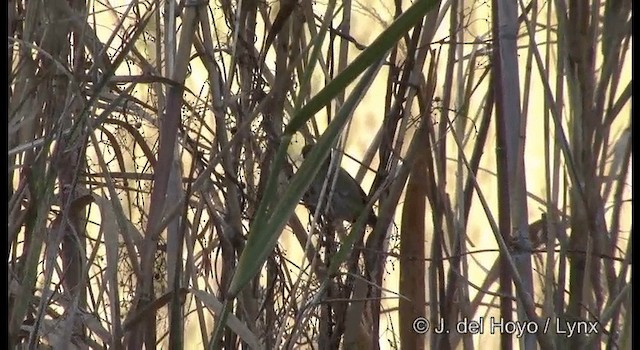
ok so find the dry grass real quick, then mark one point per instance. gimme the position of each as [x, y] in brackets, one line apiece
[155, 176]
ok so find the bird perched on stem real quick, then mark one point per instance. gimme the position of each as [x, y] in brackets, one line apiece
[348, 200]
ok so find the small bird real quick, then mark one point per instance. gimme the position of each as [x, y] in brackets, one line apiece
[348, 199]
